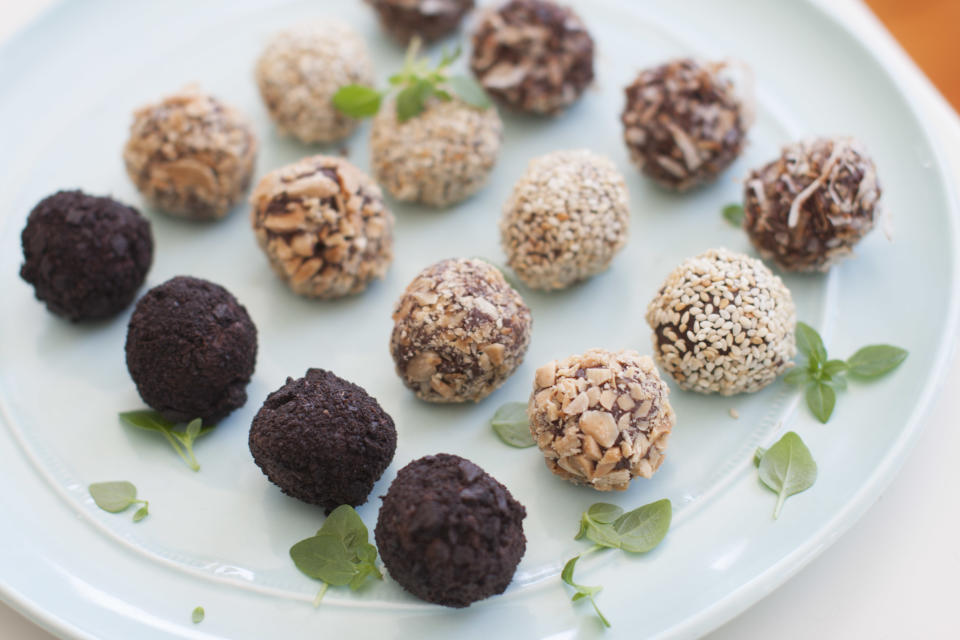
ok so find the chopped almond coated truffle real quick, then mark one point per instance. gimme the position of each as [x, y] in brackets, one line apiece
[429, 19]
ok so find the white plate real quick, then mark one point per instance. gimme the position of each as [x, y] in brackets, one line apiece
[220, 538]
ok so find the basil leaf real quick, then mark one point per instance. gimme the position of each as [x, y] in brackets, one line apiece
[511, 424]
[876, 360]
[470, 91]
[733, 213]
[358, 101]
[182, 442]
[113, 496]
[787, 468]
[603, 512]
[141, 513]
[344, 523]
[834, 368]
[412, 101]
[644, 528]
[582, 591]
[810, 344]
[797, 375]
[758, 455]
[197, 615]
[324, 557]
[448, 58]
[821, 398]
[604, 535]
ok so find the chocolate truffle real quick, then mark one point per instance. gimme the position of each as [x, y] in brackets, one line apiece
[723, 323]
[459, 331]
[601, 418]
[324, 227]
[85, 256]
[439, 157]
[533, 55]
[323, 440]
[808, 208]
[566, 219]
[190, 155]
[429, 19]
[448, 532]
[191, 349]
[302, 68]
[684, 123]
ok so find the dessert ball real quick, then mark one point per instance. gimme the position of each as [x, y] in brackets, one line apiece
[567, 217]
[324, 227]
[437, 158]
[459, 331]
[191, 349]
[302, 68]
[323, 440]
[808, 208]
[191, 155]
[448, 532]
[601, 418]
[684, 123]
[85, 256]
[429, 19]
[533, 55]
[723, 323]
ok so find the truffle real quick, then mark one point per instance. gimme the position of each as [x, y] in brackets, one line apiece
[459, 331]
[723, 323]
[601, 418]
[439, 157]
[323, 440]
[448, 532]
[429, 19]
[302, 68]
[190, 155]
[85, 256]
[566, 219]
[808, 208]
[191, 349]
[684, 123]
[533, 55]
[323, 225]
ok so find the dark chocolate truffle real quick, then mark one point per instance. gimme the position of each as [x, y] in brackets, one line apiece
[533, 55]
[323, 440]
[448, 532]
[85, 256]
[191, 349]
[429, 19]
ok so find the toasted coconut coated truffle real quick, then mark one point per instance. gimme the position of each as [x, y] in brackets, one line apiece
[429, 19]
[191, 349]
[566, 219]
[533, 55]
[448, 532]
[601, 418]
[190, 155]
[723, 323]
[324, 227]
[85, 256]
[302, 68]
[323, 440]
[808, 208]
[439, 157]
[684, 123]
[459, 331]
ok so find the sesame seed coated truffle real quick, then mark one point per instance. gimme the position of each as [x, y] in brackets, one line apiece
[683, 123]
[323, 225]
[459, 331]
[190, 155]
[301, 69]
[429, 19]
[601, 418]
[723, 323]
[533, 55]
[808, 208]
[567, 217]
[439, 157]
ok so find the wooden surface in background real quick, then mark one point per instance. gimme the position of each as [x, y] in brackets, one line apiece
[930, 32]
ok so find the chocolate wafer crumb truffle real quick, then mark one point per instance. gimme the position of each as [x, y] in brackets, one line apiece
[324, 227]
[533, 55]
[684, 123]
[566, 219]
[808, 208]
[459, 331]
[723, 323]
[448, 532]
[429, 19]
[439, 157]
[191, 349]
[601, 418]
[302, 68]
[323, 440]
[85, 256]
[191, 155]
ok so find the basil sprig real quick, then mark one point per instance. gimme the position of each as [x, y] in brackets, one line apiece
[180, 439]
[118, 496]
[512, 425]
[786, 468]
[733, 213]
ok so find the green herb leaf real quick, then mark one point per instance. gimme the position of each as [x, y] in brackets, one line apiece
[876, 360]
[787, 468]
[758, 455]
[797, 375]
[604, 512]
[733, 213]
[810, 344]
[142, 512]
[345, 523]
[582, 591]
[181, 441]
[197, 615]
[470, 91]
[413, 100]
[113, 496]
[821, 398]
[601, 534]
[448, 58]
[834, 368]
[643, 528]
[358, 101]
[324, 557]
[511, 424]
